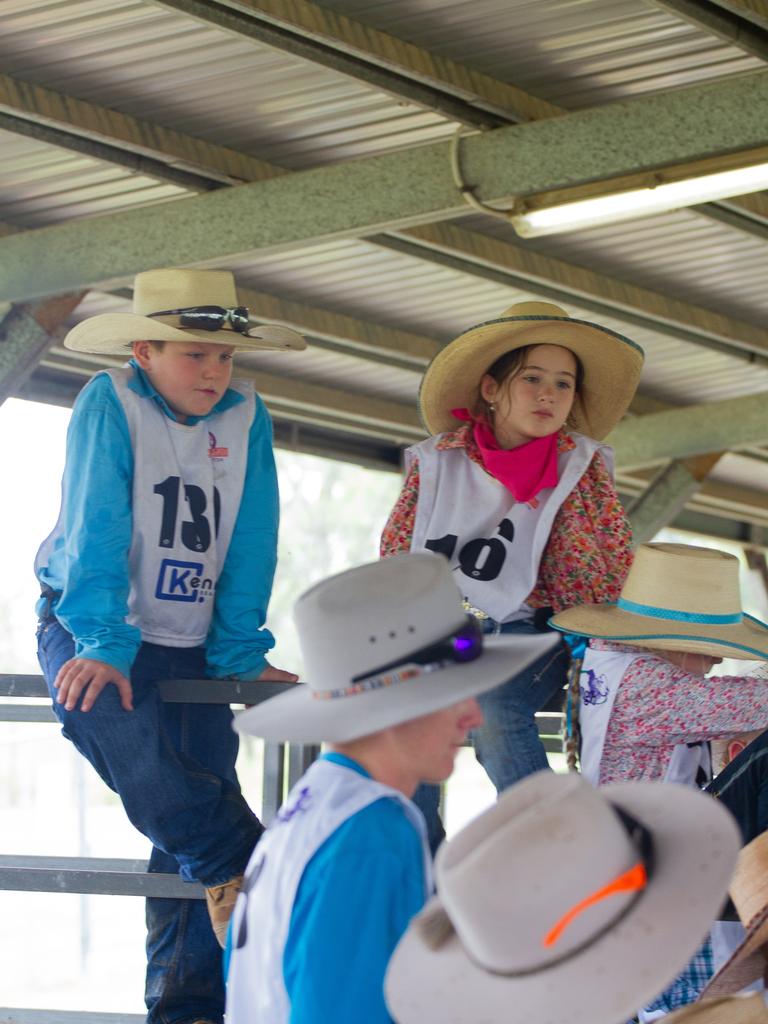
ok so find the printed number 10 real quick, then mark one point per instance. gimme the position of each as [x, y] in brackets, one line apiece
[481, 558]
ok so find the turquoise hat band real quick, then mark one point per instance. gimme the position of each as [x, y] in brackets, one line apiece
[651, 611]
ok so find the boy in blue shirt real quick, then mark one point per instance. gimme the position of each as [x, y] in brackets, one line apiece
[160, 566]
[394, 665]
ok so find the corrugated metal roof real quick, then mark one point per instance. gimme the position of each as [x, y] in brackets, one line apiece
[160, 66]
[575, 53]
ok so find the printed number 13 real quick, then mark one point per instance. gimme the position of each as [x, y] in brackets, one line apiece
[195, 534]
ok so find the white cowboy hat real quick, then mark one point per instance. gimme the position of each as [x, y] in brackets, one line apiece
[749, 892]
[179, 295]
[542, 913]
[732, 1010]
[611, 362]
[384, 643]
[676, 597]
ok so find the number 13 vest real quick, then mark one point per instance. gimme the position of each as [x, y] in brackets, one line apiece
[187, 486]
[494, 544]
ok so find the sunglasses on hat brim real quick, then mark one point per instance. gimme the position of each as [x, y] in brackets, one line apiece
[213, 318]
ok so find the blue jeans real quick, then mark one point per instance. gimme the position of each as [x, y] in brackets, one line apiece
[173, 766]
[507, 745]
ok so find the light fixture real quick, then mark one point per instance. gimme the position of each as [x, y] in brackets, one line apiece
[640, 195]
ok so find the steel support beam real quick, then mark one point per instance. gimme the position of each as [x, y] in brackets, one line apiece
[390, 191]
[301, 401]
[690, 431]
[513, 264]
[164, 148]
[371, 56]
[725, 21]
[26, 332]
[667, 494]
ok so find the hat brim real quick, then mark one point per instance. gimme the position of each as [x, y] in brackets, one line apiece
[114, 333]
[612, 366]
[695, 846]
[300, 717]
[747, 640]
[746, 964]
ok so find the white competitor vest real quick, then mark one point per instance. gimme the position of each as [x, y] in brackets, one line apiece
[187, 486]
[494, 544]
[601, 675]
[327, 796]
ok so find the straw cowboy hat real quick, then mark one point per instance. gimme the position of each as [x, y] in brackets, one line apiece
[564, 904]
[384, 643]
[749, 892]
[677, 598]
[731, 1010]
[172, 305]
[611, 362]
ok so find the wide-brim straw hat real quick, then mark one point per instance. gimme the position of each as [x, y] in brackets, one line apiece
[540, 859]
[611, 362]
[378, 643]
[749, 892]
[676, 597]
[157, 290]
[749, 1009]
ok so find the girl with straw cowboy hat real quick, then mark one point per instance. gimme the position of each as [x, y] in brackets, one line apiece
[641, 707]
[564, 904]
[515, 489]
[394, 665]
[160, 567]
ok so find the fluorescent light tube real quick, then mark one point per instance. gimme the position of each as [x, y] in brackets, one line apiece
[641, 202]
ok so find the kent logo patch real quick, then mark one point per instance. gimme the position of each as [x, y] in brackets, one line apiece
[182, 581]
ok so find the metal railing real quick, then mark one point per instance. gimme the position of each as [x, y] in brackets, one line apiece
[284, 764]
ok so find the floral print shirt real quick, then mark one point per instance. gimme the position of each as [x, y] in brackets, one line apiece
[588, 553]
[659, 705]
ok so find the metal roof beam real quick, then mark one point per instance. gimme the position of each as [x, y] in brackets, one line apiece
[690, 431]
[515, 265]
[27, 331]
[389, 191]
[755, 11]
[66, 121]
[726, 20]
[299, 400]
[376, 58]
[667, 495]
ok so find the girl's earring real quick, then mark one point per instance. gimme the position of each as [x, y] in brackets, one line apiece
[491, 408]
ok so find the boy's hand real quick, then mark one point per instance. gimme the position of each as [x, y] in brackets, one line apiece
[89, 676]
[277, 675]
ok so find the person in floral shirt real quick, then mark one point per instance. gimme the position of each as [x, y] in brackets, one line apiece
[515, 488]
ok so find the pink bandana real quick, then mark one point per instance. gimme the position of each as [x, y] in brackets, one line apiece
[525, 470]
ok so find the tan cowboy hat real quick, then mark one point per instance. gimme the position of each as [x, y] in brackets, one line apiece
[565, 904]
[384, 643]
[611, 362]
[677, 597]
[749, 892]
[177, 294]
[732, 1010]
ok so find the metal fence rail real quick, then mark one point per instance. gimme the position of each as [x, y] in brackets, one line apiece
[24, 698]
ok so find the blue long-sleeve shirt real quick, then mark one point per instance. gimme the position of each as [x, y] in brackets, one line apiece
[88, 566]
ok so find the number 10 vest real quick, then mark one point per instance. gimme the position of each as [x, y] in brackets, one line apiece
[494, 544]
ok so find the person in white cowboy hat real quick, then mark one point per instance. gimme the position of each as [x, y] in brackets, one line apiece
[564, 904]
[160, 566]
[641, 708]
[394, 665]
[748, 962]
[515, 488]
